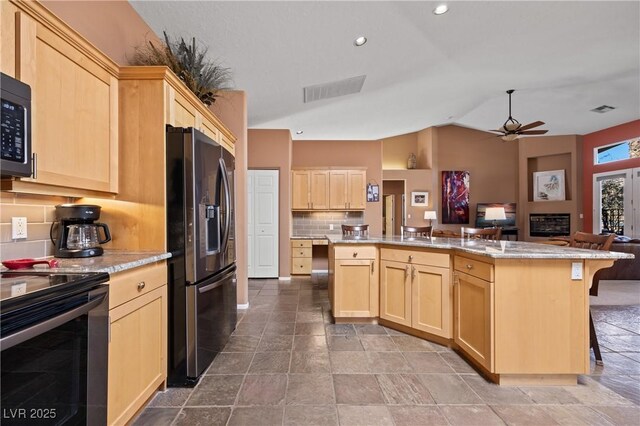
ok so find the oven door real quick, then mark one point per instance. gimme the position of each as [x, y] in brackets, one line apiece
[54, 371]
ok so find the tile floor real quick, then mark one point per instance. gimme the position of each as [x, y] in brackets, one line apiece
[286, 364]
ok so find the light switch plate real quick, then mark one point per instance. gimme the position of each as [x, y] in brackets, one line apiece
[18, 289]
[576, 270]
[331, 227]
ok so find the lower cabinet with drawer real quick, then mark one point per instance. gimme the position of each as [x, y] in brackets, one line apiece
[474, 313]
[301, 257]
[137, 339]
[354, 282]
[415, 290]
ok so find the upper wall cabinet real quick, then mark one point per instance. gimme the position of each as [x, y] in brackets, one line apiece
[328, 189]
[74, 90]
[150, 98]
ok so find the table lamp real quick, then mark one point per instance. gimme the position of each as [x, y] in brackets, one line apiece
[430, 214]
[495, 214]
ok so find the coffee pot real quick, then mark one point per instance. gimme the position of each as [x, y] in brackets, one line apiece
[76, 232]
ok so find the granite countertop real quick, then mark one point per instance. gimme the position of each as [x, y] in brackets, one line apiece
[313, 236]
[495, 249]
[111, 261]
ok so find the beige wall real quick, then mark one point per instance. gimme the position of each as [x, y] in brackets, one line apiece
[231, 108]
[271, 149]
[395, 151]
[415, 180]
[114, 27]
[346, 154]
[492, 165]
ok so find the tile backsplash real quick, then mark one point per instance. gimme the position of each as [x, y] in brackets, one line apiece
[313, 223]
[40, 213]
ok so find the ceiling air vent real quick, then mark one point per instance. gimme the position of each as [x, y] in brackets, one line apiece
[603, 108]
[334, 89]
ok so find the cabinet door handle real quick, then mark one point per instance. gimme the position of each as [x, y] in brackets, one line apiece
[413, 272]
[141, 285]
[469, 266]
[410, 258]
[355, 254]
[406, 271]
[373, 262]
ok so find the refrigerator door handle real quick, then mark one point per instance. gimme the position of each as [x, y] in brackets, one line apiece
[227, 213]
[210, 287]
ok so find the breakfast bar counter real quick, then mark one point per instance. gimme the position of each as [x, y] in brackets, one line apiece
[517, 311]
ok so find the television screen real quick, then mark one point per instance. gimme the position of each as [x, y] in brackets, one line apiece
[509, 209]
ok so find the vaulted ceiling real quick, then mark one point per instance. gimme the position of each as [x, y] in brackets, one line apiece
[564, 58]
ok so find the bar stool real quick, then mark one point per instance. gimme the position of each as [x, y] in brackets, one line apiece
[493, 234]
[416, 231]
[355, 230]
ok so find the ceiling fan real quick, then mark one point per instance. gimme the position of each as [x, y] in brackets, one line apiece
[512, 128]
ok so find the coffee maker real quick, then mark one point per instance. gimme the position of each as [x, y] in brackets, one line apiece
[77, 232]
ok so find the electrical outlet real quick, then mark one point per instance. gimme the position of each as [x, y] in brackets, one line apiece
[331, 227]
[576, 270]
[18, 228]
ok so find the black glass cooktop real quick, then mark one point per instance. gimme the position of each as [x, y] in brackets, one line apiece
[21, 286]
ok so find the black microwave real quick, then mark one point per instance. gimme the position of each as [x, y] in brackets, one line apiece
[15, 119]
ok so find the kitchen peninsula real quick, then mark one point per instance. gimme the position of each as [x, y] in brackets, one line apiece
[518, 311]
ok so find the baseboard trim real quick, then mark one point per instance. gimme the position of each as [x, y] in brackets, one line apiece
[243, 306]
[284, 278]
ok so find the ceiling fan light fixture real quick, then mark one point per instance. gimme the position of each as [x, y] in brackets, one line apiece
[441, 9]
[509, 138]
[511, 126]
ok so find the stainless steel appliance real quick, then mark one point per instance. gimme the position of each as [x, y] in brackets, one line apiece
[75, 232]
[15, 118]
[54, 337]
[200, 237]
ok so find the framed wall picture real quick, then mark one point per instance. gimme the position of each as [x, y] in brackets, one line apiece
[420, 199]
[455, 197]
[548, 186]
[373, 193]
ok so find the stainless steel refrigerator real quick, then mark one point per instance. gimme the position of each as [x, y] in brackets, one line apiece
[201, 239]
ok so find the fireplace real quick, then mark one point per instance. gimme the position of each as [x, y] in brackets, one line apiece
[549, 224]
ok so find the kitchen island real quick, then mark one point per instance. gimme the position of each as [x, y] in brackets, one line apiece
[517, 311]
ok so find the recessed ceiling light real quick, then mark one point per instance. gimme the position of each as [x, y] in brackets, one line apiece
[299, 132]
[360, 41]
[441, 9]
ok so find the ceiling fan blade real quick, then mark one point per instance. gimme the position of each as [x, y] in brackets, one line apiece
[533, 132]
[531, 125]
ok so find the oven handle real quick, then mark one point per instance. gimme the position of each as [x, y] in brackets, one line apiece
[50, 324]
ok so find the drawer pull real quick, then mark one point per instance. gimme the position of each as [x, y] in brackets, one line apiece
[410, 258]
[469, 266]
[301, 252]
[141, 285]
[355, 254]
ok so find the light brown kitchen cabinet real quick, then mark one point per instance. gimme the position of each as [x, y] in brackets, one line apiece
[300, 190]
[137, 339]
[301, 257]
[328, 189]
[415, 290]
[473, 284]
[74, 106]
[319, 189]
[149, 99]
[354, 282]
[347, 189]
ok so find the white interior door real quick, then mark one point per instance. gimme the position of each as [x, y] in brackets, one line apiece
[263, 223]
[615, 202]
